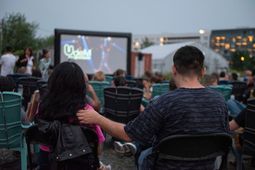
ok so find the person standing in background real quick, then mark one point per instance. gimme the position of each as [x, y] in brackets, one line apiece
[25, 62]
[45, 64]
[7, 62]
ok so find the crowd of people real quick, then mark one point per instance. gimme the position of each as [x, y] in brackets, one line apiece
[26, 63]
[190, 107]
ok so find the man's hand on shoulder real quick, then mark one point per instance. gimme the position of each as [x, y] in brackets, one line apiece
[88, 116]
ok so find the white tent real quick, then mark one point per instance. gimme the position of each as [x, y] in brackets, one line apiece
[162, 57]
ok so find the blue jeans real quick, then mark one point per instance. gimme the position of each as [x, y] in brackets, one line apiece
[235, 107]
[142, 157]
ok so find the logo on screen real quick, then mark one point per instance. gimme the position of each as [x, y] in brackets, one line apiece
[77, 54]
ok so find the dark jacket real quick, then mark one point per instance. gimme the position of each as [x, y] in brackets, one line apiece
[72, 146]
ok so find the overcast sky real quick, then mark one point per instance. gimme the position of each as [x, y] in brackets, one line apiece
[136, 16]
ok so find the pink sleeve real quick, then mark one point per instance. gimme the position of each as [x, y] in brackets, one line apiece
[100, 134]
[97, 128]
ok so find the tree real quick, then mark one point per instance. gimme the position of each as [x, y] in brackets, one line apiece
[146, 43]
[241, 61]
[18, 33]
[45, 42]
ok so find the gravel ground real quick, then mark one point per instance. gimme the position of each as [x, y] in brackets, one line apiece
[117, 161]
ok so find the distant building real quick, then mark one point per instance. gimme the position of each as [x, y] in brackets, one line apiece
[162, 57]
[161, 39]
[228, 41]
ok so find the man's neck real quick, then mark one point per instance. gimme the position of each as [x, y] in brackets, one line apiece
[188, 82]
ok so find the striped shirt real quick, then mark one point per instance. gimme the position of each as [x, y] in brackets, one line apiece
[183, 111]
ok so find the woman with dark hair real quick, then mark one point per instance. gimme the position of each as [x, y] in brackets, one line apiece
[66, 95]
[45, 64]
[25, 62]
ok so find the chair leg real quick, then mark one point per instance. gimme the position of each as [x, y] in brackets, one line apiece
[23, 154]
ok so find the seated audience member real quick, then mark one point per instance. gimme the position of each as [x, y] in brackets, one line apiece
[223, 78]
[92, 99]
[148, 74]
[249, 79]
[210, 80]
[99, 76]
[234, 106]
[239, 122]
[158, 78]
[234, 77]
[119, 81]
[119, 73]
[147, 88]
[65, 96]
[7, 84]
[169, 115]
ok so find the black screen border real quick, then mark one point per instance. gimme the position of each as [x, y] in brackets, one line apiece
[59, 32]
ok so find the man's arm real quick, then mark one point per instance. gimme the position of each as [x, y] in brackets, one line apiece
[113, 128]
[233, 125]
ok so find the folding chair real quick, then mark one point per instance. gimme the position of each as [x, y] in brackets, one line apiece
[194, 148]
[11, 135]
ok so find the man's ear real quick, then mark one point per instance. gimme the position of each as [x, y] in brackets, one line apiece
[174, 70]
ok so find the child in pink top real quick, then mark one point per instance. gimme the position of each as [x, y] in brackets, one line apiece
[65, 96]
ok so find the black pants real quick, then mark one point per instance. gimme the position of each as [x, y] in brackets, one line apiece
[44, 161]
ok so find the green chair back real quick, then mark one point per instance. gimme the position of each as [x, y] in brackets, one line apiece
[109, 79]
[11, 134]
[225, 90]
[10, 120]
[159, 89]
[99, 87]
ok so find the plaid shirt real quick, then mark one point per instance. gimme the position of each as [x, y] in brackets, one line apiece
[183, 111]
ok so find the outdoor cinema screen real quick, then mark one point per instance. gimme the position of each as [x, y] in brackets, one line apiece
[93, 51]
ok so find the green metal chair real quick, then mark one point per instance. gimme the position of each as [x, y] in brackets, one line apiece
[225, 90]
[11, 135]
[159, 89]
[99, 87]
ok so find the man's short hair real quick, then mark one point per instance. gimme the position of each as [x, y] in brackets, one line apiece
[188, 60]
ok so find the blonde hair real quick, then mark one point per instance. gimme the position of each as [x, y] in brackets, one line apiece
[99, 76]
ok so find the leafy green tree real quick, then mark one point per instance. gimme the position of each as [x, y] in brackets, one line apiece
[45, 42]
[146, 43]
[17, 32]
[241, 61]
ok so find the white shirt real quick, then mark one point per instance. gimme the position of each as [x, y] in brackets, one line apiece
[7, 62]
[29, 65]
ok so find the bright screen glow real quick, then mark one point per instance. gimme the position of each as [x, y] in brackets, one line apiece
[94, 53]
